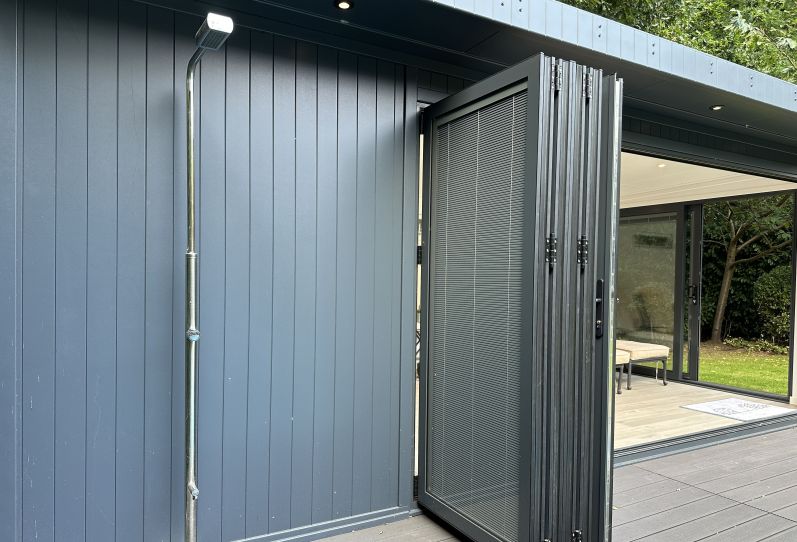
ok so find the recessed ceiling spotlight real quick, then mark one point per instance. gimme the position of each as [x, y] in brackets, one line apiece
[344, 4]
[662, 165]
[716, 107]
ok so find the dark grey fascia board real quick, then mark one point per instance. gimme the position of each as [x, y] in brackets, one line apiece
[576, 27]
[659, 74]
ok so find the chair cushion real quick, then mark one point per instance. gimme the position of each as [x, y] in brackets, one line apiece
[621, 357]
[639, 351]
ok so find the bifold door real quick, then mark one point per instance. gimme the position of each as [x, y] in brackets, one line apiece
[520, 218]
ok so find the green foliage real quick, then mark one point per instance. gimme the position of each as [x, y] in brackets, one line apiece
[760, 34]
[772, 297]
[759, 345]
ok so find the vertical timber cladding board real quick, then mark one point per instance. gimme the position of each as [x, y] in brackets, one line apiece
[301, 251]
[10, 346]
[38, 265]
[477, 231]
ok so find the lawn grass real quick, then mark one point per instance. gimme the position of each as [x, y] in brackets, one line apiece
[744, 368]
[741, 368]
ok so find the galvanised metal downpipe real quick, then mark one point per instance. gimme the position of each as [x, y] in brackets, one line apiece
[211, 36]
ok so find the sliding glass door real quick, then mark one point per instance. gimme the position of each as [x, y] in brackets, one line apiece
[647, 279]
[742, 276]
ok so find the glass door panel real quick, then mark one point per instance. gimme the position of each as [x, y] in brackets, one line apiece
[746, 291]
[646, 279]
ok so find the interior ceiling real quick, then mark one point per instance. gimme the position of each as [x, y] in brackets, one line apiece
[647, 181]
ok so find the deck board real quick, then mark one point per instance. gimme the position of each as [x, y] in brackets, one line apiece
[740, 491]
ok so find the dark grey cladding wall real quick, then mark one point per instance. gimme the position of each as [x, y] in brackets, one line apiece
[307, 237]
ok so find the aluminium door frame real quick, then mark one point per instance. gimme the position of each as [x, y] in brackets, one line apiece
[479, 94]
[694, 273]
[609, 135]
[696, 268]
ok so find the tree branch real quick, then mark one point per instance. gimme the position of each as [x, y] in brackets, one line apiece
[754, 220]
[763, 254]
[758, 236]
[779, 48]
[712, 241]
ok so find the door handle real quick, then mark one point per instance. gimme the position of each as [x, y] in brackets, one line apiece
[693, 293]
[599, 309]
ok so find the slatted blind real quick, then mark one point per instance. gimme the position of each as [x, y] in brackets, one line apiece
[477, 222]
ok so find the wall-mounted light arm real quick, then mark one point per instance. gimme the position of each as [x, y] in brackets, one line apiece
[211, 36]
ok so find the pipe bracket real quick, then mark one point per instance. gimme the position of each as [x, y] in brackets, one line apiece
[192, 335]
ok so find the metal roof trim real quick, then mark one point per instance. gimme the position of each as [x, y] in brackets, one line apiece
[573, 26]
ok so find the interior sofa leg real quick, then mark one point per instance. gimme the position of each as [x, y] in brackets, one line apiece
[664, 371]
[630, 369]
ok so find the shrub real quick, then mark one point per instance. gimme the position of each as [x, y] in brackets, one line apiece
[759, 345]
[772, 298]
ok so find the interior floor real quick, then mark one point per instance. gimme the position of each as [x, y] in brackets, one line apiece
[650, 411]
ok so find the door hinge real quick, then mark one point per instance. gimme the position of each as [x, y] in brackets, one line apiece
[419, 255]
[551, 250]
[588, 84]
[582, 251]
[576, 536]
[558, 75]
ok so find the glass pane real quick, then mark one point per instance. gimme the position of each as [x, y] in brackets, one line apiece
[746, 293]
[646, 279]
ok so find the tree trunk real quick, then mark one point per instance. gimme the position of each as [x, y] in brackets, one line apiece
[725, 290]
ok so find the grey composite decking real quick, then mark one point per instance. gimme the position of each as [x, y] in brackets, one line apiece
[741, 491]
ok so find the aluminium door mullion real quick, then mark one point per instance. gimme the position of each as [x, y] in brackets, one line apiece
[571, 282]
[580, 356]
[549, 311]
[568, 422]
[593, 217]
[696, 289]
[607, 225]
[679, 294]
[581, 313]
[558, 370]
[533, 371]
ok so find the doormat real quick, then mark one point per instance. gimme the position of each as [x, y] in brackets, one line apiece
[740, 409]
